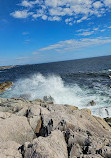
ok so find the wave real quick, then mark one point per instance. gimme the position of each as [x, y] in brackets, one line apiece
[38, 86]
[104, 74]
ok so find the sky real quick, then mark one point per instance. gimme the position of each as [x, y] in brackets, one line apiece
[38, 31]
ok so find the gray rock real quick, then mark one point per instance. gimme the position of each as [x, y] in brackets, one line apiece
[105, 151]
[53, 146]
[48, 99]
[13, 105]
[9, 150]
[15, 128]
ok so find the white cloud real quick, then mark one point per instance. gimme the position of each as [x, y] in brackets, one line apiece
[21, 14]
[80, 20]
[25, 33]
[103, 30]
[86, 33]
[91, 31]
[54, 18]
[107, 3]
[97, 4]
[73, 44]
[26, 3]
[44, 17]
[56, 10]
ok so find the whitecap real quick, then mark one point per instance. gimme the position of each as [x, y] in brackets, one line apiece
[38, 86]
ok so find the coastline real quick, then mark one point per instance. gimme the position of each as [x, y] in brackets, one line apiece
[44, 129]
[7, 67]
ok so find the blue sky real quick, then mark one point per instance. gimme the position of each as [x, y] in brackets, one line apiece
[37, 31]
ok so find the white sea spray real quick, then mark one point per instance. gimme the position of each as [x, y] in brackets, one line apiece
[38, 86]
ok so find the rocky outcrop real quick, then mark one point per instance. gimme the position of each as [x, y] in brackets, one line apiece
[7, 67]
[5, 85]
[41, 129]
[53, 146]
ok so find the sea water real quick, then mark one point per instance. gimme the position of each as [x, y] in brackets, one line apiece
[76, 82]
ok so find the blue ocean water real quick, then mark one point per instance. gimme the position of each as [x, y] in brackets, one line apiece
[75, 82]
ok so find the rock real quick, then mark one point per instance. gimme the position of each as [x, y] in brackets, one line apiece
[15, 128]
[78, 120]
[4, 115]
[7, 67]
[108, 120]
[5, 85]
[102, 122]
[87, 110]
[13, 105]
[92, 103]
[69, 138]
[47, 130]
[92, 156]
[105, 151]
[71, 107]
[25, 96]
[76, 151]
[53, 146]
[35, 115]
[48, 99]
[42, 130]
[9, 149]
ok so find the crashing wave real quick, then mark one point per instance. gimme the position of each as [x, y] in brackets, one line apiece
[38, 86]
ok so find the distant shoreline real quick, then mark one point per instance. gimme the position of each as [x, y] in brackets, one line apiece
[7, 67]
[11, 66]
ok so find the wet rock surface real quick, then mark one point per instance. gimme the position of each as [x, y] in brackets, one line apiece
[5, 85]
[41, 129]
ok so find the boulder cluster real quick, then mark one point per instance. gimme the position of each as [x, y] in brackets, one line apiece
[41, 129]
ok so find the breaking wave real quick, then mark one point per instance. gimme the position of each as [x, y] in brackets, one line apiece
[38, 86]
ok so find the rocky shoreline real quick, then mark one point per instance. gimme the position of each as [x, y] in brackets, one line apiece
[7, 67]
[41, 129]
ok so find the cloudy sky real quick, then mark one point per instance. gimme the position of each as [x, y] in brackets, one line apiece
[37, 31]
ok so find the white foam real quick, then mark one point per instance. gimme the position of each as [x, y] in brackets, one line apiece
[39, 86]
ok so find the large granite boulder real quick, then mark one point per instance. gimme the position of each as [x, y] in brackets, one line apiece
[15, 128]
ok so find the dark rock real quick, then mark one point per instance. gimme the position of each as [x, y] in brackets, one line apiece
[48, 99]
[69, 138]
[108, 120]
[43, 130]
[105, 152]
[92, 103]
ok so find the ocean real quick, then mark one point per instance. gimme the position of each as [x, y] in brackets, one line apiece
[75, 82]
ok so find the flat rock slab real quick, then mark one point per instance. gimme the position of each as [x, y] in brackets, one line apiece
[9, 150]
[15, 128]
